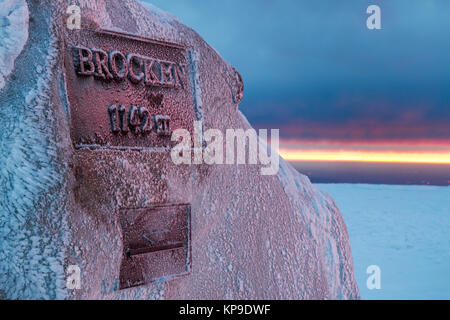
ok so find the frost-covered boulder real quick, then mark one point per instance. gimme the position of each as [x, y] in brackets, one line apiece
[251, 235]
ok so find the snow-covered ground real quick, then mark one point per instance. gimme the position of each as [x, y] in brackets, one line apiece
[405, 230]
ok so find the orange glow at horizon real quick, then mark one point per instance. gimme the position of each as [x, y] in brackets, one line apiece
[429, 152]
[365, 156]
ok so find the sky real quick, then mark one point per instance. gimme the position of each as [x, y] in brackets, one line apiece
[315, 71]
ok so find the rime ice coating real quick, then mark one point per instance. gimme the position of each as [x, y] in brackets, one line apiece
[253, 236]
[13, 34]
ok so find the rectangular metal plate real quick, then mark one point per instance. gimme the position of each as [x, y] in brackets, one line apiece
[126, 91]
[156, 242]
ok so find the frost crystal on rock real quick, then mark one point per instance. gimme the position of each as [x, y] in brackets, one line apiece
[13, 34]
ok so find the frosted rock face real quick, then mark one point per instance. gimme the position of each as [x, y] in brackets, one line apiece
[13, 34]
[252, 236]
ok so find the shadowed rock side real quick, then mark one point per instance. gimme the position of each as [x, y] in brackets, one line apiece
[252, 236]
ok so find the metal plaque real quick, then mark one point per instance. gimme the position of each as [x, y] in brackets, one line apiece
[126, 91]
[156, 244]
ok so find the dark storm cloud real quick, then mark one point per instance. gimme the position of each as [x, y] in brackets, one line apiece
[314, 63]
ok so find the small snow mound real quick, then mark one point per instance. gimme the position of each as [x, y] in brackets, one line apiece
[13, 34]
